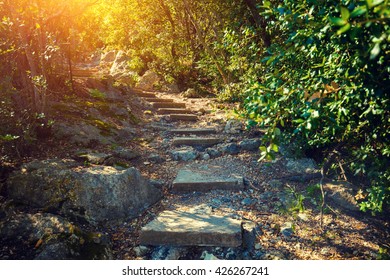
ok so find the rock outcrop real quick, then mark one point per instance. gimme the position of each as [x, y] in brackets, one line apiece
[50, 237]
[97, 194]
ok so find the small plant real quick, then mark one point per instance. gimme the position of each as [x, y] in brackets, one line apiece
[95, 93]
[296, 204]
[383, 254]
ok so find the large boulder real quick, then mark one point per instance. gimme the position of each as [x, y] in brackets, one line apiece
[51, 237]
[97, 194]
[81, 133]
[302, 165]
[119, 65]
[108, 57]
[148, 80]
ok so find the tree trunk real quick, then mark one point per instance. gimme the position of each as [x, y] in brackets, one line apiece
[202, 38]
[172, 22]
[260, 22]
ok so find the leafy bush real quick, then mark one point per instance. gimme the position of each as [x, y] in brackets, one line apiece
[326, 85]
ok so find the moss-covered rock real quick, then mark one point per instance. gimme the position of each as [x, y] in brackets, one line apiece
[100, 194]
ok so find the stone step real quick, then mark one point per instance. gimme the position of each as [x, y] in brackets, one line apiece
[179, 228]
[159, 99]
[168, 111]
[143, 93]
[183, 117]
[146, 94]
[157, 105]
[195, 141]
[205, 180]
[193, 131]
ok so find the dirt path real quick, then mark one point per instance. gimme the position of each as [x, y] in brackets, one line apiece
[283, 215]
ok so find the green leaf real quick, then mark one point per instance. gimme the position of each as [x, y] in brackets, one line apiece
[358, 11]
[275, 148]
[375, 51]
[338, 21]
[344, 29]
[8, 137]
[373, 3]
[267, 4]
[344, 13]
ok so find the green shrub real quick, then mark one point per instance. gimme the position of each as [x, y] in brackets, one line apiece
[325, 84]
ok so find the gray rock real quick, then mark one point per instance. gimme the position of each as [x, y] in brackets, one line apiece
[155, 158]
[191, 93]
[55, 251]
[230, 149]
[141, 251]
[303, 165]
[108, 57]
[233, 126]
[97, 194]
[157, 183]
[342, 194]
[208, 256]
[148, 80]
[167, 253]
[81, 133]
[213, 152]
[124, 133]
[125, 153]
[94, 158]
[247, 201]
[184, 154]
[205, 156]
[172, 88]
[119, 65]
[231, 254]
[52, 237]
[287, 229]
[250, 144]
[250, 232]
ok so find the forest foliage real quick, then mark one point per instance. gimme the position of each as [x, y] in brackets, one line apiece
[313, 73]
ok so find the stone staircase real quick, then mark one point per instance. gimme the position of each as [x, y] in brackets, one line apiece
[167, 106]
[189, 227]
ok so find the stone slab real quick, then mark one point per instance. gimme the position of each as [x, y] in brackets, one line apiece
[159, 100]
[168, 111]
[183, 117]
[203, 181]
[193, 131]
[157, 105]
[195, 141]
[179, 228]
[146, 95]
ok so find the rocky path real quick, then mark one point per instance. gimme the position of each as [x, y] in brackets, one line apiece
[197, 190]
[219, 201]
[187, 227]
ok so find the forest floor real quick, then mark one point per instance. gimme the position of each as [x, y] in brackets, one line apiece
[287, 212]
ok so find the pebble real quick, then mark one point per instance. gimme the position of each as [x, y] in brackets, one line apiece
[141, 251]
[287, 229]
[247, 201]
[206, 156]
